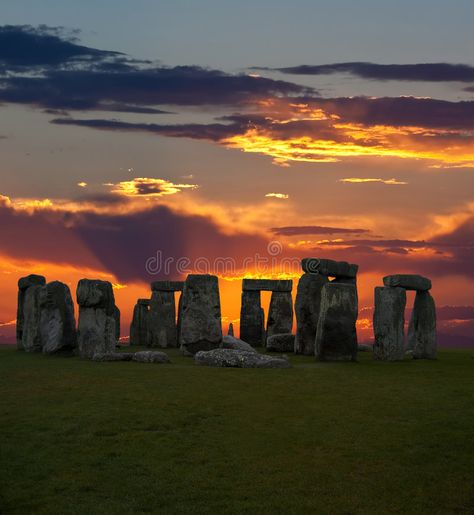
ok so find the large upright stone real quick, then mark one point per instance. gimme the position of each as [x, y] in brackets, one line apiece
[408, 281]
[23, 284]
[200, 324]
[162, 330]
[31, 332]
[252, 328]
[336, 336]
[329, 267]
[96, 327]
[139, 324]
[230, 331]
[57, 321]
[280, 314]
[307, 306]
[388, 321]
[422, 328]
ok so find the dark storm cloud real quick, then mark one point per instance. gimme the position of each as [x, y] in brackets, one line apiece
[313, 229]
[427, 72]
[24, 46]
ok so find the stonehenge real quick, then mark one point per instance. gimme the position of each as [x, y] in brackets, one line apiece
[96, 327]
[326, 308]
[200, 321]
[336, 337]
[252, 317]
[388, 322]
[45, 316]
[139, 324]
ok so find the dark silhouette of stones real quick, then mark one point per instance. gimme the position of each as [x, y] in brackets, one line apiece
[408, 281]
[336, 336]
[239, 359]
[363, 347]
[57, 321]
[23, 284]
[230, 331]
[280, 314]
[149, 356]
[388, 322]
[329, 267]
[229, 342]
[113, 356]
[200, 324]
[422, 328]
[117, 323]
[162, 330]
[284, 342]
[139, 324]
[267, 285]
[252, 322]
[307, 306]
[96, 327]
[167, 286]
[31, 333]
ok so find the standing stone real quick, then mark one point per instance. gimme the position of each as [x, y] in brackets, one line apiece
[200, 326]
[162, 320]
[23, 284]
[230, 331]
[336, 336]
[117, 323]
[307, 306]
[252, 322]
[96, 327]
[31, 333]
[139, 325]
[422, 327]
[180, 315]
[280, 314]
[57, 321]
[389, 319]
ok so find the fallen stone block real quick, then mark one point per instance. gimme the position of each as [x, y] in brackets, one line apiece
[239, 359]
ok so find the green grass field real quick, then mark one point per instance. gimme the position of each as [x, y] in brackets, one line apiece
[79, 437]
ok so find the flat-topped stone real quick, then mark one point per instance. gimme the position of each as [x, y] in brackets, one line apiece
[388, 323]
[408, 281]
[150, 356]
[95, 293]
[239, 359]
[30, 280]
[329, 267]
[167, 286]
[276, 285]
[23, 284]
[143, 302]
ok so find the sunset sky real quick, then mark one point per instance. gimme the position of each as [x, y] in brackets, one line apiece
[261, 132]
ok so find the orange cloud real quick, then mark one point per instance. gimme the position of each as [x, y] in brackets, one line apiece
[357, 180]
[149, 187]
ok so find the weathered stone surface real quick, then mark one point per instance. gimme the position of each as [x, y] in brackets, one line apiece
[363, 347]
[139, 324]
[113, 356]
[329, 267]
[336, 336]
[389, 316]
[229, 342]
[230, 331]
[149, 356]
[167, 286]
[96, 327]
[239, 359]
[280, 314]
[162, 330]
[23, 284]
[200, 325]
[422, 328]
[408, 281]
[117, 323]
[57, 321]
[252, 321]
[307, 306]
[284, 342]
[31, 334]
[267, 285]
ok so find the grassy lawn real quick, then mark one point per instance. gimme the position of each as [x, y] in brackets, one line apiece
[85, 438]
